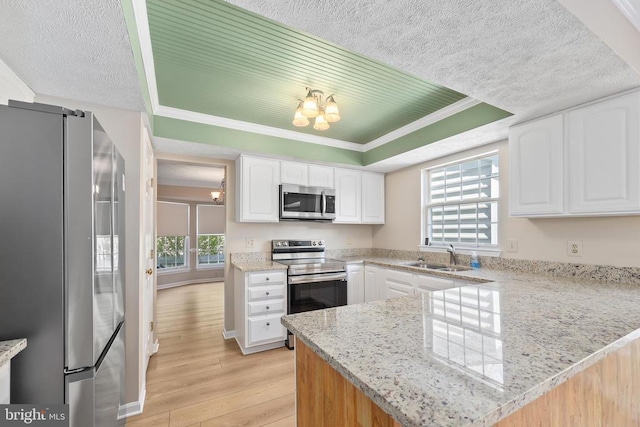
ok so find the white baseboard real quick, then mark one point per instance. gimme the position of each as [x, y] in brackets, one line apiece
[228, 334]
[133, 408]
[190, 282]
[156, 347]
[259, 348]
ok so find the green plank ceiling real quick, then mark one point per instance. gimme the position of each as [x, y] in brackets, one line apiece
[215, 58]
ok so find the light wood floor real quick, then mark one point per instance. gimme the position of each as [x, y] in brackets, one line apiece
[197, 378]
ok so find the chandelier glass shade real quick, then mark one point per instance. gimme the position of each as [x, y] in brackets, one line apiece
[218, 195]
[313, 107]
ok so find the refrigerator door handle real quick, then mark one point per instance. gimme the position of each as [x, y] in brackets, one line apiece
[79, 225]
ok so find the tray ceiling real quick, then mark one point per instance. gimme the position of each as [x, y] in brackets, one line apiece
[214, 58]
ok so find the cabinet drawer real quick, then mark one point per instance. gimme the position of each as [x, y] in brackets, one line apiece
[434, 283]
[265, 307]
[267, 328]
[266, 278]
[264, 292]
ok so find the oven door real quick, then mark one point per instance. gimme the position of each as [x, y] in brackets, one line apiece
[316, 292]
[307, 203]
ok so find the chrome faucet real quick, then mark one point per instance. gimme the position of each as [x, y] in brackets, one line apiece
[453, 258]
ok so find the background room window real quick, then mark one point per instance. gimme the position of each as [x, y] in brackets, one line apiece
[210, 230]
[210, 249]
[173, 231]
[462, 202]
[171, 252]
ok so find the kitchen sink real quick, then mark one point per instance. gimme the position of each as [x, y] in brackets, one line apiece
[455, 268]
[439, 267]
[421, 264]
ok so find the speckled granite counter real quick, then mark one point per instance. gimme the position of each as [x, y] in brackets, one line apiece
[471, 356]
[246, 267]
[8, 349]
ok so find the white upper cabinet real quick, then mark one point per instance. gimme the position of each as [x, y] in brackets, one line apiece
[320, 176]
[294, 173]
[359, 195]
[604, 153]
[372, 198]
[583, 162]
[536, 156]
[258, 180]
[306, 175]
[348, 196]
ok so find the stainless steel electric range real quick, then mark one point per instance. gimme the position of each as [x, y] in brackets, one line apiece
[314, 282]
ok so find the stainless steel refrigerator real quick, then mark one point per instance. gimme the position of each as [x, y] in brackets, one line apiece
[62, 260]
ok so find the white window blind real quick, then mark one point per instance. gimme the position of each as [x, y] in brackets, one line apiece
[462, 202]
[210, 219]
[173, 219]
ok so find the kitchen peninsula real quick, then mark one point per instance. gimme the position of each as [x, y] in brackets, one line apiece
[523, 349]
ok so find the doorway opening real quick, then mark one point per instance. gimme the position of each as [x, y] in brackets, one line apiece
[191, 217]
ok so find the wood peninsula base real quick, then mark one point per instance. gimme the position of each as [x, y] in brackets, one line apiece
[605, 394]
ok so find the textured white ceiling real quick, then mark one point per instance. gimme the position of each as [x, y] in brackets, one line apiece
[72, 49]
[529, 57]
[189, 174]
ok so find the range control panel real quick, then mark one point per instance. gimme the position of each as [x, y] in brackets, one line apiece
[297, 244]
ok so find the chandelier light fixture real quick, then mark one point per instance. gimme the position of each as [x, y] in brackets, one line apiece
[314, 107]
[218, 195]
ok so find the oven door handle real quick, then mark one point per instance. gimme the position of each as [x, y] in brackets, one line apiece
[312, 278]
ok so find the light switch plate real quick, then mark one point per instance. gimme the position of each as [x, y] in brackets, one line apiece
[574, 248]
[512, 245]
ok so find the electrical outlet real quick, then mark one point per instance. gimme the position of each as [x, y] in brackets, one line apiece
[574, 248]
[512, 245]
[250, 243]
[349, 240]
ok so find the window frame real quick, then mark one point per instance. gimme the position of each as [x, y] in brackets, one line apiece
[209, 266]
[491, 249]
[181, 268]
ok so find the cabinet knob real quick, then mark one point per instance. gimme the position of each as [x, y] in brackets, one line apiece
[267, 293]
[268, 324]
[267, 279]
[267, 307]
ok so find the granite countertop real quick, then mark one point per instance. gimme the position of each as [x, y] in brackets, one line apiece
[470, 356]
[8, 349]
[246, 267]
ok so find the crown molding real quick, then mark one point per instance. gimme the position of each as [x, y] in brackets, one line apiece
[144, 35]
[630, 11]
[177, 113]
[425, 121]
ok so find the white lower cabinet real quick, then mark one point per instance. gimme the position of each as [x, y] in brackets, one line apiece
[260, 302]
[374, 283]
[382, 283]
[355, 283]
[433, 283]
[399, 283]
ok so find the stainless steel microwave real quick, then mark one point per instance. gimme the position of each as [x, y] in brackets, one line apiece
[307, 203]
